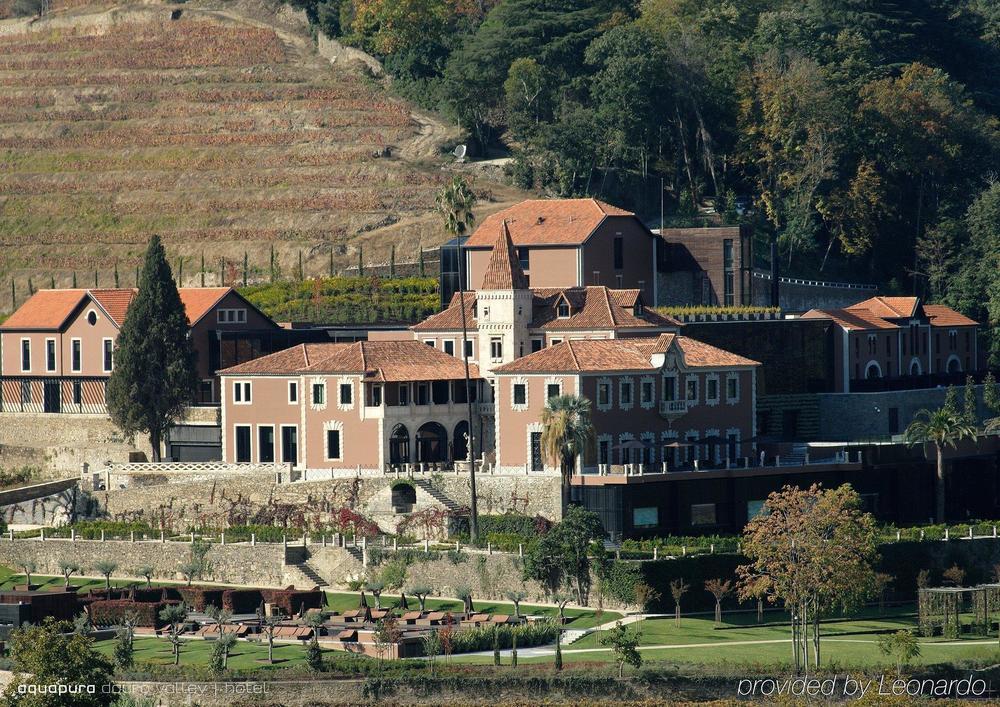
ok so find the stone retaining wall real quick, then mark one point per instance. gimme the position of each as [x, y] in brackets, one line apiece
[51, 503]
[61, 443]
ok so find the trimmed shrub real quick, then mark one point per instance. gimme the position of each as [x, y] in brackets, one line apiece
[200, 597]
[293, 601]
[480, 638]
[112, 612]
[242, 601]
[153, 594]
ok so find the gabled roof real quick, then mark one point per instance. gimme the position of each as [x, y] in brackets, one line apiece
[546, 222]
[45, 310]
[880, 313]
[608, 355]
[49, 309]
[390, 361]
[285, 362]
[946, 316]
[594, 307]
[889, 307]
[851, 319]
[504, 269]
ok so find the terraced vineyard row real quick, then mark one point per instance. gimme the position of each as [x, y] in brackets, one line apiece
[221, 136]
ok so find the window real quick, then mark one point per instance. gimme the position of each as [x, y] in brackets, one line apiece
[346, 394]
[77, 393]
[318, 394]
[91, 317]
[333, 444]
[670, 387]
[486, 313]
[645, 517]
[712, 390]
[555, 342]
[536, 345]
[423, 394]
[404, 394]
[243, 444]
[376, 396]
[692, 389]
[520, 394]
[293, 392]
[625, 394]
[562, 310]
[523, 257]
[727, 253]
[732, 389]
[25, 354]
[604, 394]
[604, 452]
[646, 392]
[596, 274]
[619, 252]
[728, 277]
[703, 514]
[109, 351]
[449, 346]
[496, 348]
[50, 354]
[25, 392]
[754, 509]
[468, 348]
[430, 342]
[76, 355]
[290, 445]
[552, 390]
[265, 444]
[241, 392]
[536, 452]
[231, 316]
[952, 340]
[439, 392]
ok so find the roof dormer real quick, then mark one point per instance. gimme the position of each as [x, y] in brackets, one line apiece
[563, 308]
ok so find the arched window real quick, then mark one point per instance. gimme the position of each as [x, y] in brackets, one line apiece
[460, 441]
[915, 369]
[872, 371]
[954, 364]
[399, 445]
[432, 443]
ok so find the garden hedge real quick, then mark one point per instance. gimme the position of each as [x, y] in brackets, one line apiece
[199, 597]
[293, 601]
[111, 612]
[242, 601]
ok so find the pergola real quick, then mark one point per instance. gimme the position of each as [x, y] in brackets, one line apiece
[941, 608]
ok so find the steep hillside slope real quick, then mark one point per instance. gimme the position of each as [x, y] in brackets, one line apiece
[221, 129]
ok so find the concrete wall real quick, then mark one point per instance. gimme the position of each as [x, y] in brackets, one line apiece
[796, 295]
[860, 416]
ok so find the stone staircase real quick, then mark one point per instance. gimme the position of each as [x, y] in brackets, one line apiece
[296, 562]
[448, 503]
[311, 574]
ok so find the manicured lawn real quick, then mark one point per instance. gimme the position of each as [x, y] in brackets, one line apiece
[244, 656]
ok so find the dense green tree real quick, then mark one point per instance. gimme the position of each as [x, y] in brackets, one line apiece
[562, 557]
[46, 654]
[154, 368]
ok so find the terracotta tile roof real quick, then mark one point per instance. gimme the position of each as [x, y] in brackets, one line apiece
[946, 316]
[888, 307]
[546, 222]
[504, 269]
[285, 362]
[851, 319]
[49, 309]
[590, 308]
[390, 361]
[608, 355]
[46, 309]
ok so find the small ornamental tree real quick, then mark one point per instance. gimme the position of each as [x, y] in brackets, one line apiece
[314, 654]
[154, 376]
[376, 591]
[882, 583]
[678, 588]
[516, 597]
[175, 615]
[68, 567]
[902, 646]
[720, 590]
[28, 567]
[645, 596]
[624, 642]
[954, 575]
[147, 572]
[420, 591]
[387, 634]
[106, 568]
[268, 628]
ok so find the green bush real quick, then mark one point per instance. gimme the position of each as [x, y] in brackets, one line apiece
[480, 638]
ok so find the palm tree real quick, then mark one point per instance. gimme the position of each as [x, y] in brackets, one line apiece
[567, 432]
[941, 428]
[455, 202]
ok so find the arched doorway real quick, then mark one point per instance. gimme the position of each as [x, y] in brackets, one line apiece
[460, 441]
[404, 497]
[432, 443]
[873, 371]
[915, 369]
[399, 445]
[954, 365]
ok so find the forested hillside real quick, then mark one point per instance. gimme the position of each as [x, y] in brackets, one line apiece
[860, 131]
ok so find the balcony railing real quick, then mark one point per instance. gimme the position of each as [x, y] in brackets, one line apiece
[673, 408]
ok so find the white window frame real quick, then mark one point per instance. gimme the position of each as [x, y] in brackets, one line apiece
[431, 342]
[236, 447]
[104, 359]
[555, 342]
[712, 402]
[651, 403]
[733, 377]
[626, 382]
[534, 428]
[697, 389]
[20, 353]
[444, 346]
[717, 453]
[739, 441]
[651, 438]
[280, 444]
[293, 398]
[231, 315]
[611, 394]
[498, 341]
[469, 350]
[341, 405]
[678, 393]
[55, 356]
[611, 443]
[246, 392]
[333, 426]
[513, 384]
[73, 343]
[552, 380]
[622, 439]
[313, 405]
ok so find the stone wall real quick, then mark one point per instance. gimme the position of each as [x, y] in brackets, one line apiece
[262, 565]
[60, 444]
[797, 295]
[52, 503]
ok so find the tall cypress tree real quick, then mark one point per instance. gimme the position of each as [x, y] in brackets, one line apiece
[154, 375]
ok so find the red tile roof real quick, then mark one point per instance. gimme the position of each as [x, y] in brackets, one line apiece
[389, 361]
[285, 362]
[889, 307]
[946, 316]
[608, 355]
[504, 269]
[851, 319]
[546, 222]
[591, 308]
[46, 309]
[49, 309]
